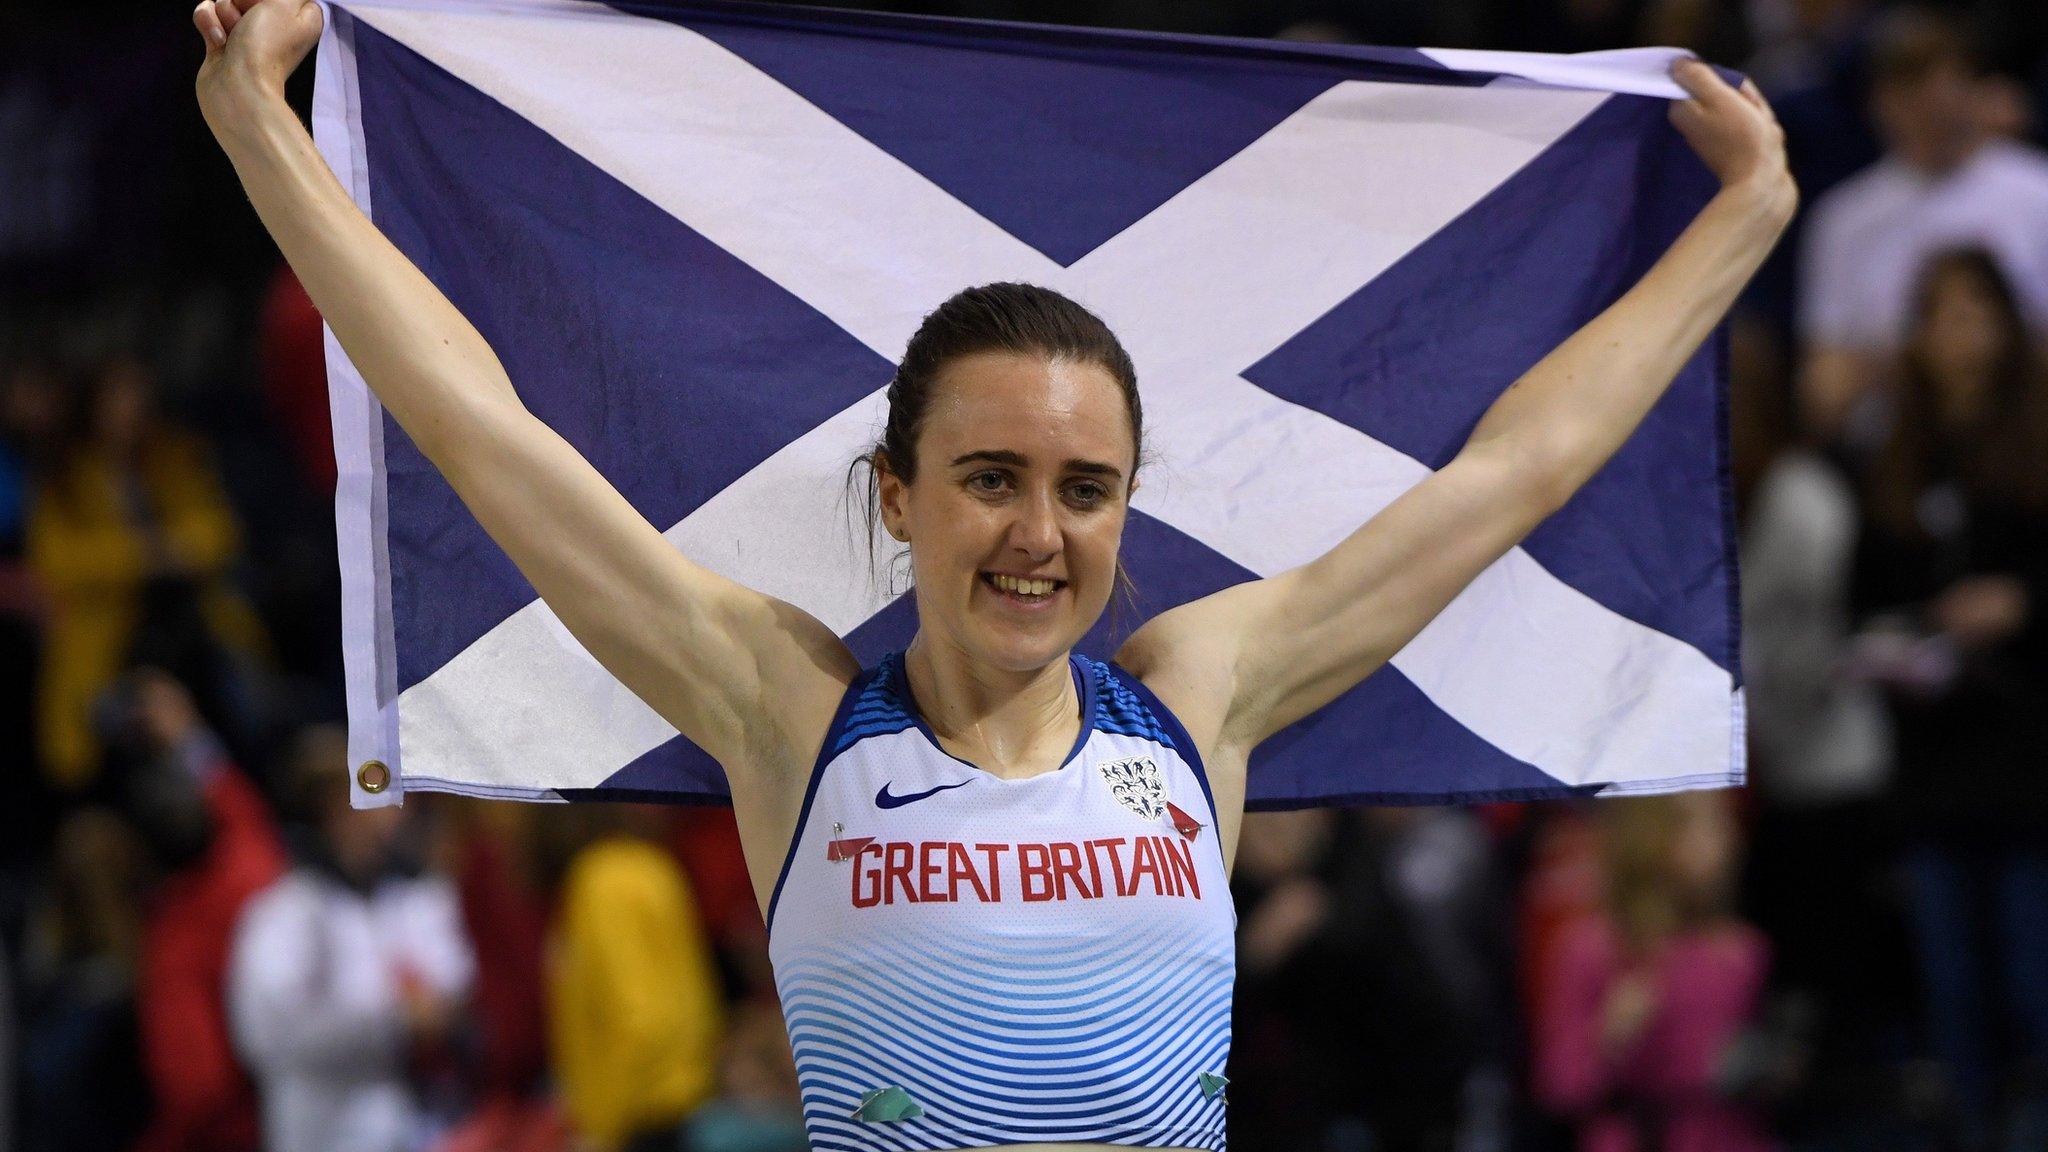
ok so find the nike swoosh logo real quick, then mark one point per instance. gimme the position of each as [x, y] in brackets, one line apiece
[884, 800]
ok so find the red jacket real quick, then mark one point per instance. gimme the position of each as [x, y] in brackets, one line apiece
[204, 1100]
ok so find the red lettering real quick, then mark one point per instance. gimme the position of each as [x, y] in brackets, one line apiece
[943, 871]
[960, 866]
[1181, 857]
[1164, 854]
[896, 870]
[928, 871]
[1040, 872]
[1066, 865]
[995, 871]
[1145, 858]
[1094, 868]
[1116, 862]
[869, 894]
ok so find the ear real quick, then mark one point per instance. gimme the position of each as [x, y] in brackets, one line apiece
[895, 496]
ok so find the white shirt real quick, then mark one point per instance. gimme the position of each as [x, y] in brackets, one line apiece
[314, 1003]
[1821, 739]
[1869, 237]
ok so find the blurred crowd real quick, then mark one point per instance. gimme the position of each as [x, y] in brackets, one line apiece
[203, 948]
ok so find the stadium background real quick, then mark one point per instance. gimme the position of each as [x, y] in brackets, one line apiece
[1851, 954]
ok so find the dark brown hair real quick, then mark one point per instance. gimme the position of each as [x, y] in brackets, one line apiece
[1910, 43]
[1020, 318]
[2003, 461]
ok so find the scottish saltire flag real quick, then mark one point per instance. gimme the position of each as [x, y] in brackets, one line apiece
[700, 234]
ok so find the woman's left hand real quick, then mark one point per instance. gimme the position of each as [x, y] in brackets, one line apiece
[1734, 132]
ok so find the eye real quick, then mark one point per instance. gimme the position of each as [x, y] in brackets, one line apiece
[992, 482]
[1087, 494]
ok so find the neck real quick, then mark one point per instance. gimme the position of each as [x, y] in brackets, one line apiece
[1011, 724]
[1938, 159]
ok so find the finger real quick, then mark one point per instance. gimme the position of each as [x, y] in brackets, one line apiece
[1686, 114]
[229, 15]
[1756, 97]
[1702, 83]
[208, 23]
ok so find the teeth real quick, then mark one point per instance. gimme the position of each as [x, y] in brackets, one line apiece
[1023, 587]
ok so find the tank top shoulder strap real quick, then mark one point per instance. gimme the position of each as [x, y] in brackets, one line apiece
[871, 706]
[1126, 707]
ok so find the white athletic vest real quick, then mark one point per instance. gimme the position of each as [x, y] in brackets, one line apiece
[965, 960]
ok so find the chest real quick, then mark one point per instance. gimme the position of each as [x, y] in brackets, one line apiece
[898, 836]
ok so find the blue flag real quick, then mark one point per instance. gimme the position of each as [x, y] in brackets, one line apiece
[699, 236]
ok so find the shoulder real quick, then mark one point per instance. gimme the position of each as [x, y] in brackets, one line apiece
[272, 922]
[1803, 488]
[1125, 706]
[871, 704]
[1187, 667]
[2013, 163]
[1868, 201]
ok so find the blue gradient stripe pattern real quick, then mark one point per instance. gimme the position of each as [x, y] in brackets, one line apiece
[876, 712]
[1292, 240]
[1008, 1047]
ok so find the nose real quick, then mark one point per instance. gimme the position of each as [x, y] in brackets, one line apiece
[1036, 531]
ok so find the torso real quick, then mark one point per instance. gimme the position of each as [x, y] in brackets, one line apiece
[916, 902]
[767, 794]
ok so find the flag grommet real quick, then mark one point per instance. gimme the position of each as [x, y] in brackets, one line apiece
[374, 776]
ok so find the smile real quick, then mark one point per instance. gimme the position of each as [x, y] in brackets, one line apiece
[1026, 590]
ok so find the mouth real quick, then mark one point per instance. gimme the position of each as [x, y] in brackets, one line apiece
[1022, 590]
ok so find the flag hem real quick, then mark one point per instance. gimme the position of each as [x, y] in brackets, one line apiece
[369, 668]
[1632, 71]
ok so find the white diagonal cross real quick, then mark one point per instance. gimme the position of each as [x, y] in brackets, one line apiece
[1219, 276]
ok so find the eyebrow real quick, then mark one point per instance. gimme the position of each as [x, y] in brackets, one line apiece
[1019, 460]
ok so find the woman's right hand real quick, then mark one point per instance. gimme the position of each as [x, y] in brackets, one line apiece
[251, 47]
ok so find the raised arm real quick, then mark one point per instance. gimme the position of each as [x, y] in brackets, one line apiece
[698, 648]
[1262, 655]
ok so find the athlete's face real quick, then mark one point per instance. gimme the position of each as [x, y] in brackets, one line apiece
[1024, 471]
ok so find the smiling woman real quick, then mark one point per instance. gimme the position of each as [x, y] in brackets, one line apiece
[996, 873]
[991, 344]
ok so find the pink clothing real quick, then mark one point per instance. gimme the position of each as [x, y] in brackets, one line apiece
[1706, 988]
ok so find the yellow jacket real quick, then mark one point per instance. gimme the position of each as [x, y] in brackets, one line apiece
[634, 994]
[94, 555]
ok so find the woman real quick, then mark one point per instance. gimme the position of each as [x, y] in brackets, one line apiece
[132, 535]
[1956, 552]
[1646, 1001]
[882, 812]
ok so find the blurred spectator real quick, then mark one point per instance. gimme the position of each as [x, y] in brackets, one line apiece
[29, 405]
[759, 1108]
[344, 969]
[1944, 180]
[1634, 1039]
[504, 912]
[131, 536]
[1956, 567]
[81, 1073]
[1820, 743]
[1371, 981]
[706, 841]
[216, 839]
[634, 992]
[294, 369]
